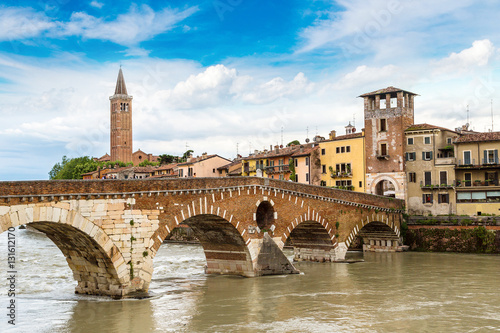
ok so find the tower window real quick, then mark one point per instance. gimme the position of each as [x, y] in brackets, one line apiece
[383, 125]
[383, 149]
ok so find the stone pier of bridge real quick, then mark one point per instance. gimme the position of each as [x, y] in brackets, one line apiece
[110, 230]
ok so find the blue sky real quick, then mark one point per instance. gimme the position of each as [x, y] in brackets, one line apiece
[223, 76]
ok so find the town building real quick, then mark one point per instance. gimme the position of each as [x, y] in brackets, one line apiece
[128, 172]
[387, 113]
[307, 164]
[343, 160]
[231, 169]
[166, 171]
[202, 166]
[430, 170]
[477, 170]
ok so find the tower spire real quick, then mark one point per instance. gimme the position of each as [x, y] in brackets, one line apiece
[121, 88]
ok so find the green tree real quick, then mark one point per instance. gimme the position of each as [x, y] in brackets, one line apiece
[294, 142]
[73, 168]
[146, 163]
[167, 159]
[186, 155]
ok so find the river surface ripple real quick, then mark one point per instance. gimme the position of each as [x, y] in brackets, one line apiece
[389, 292]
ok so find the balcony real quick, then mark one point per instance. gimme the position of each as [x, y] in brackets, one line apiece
[436, 186]
[477, 183]
[445, 161]
[341, 175]
[471, 164]
[284, 168]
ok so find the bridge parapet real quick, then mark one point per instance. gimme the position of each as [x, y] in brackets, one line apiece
[128, 220]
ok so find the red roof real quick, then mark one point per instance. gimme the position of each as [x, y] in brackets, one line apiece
[479, 137]
[423, 127]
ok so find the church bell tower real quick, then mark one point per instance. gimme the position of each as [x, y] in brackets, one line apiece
[121, 122]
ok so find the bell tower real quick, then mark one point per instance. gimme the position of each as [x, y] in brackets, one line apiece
[121, 122]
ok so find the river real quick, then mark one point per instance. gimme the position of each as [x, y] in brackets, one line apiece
[388, 292]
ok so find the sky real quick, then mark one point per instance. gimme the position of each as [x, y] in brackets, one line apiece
[231, 76]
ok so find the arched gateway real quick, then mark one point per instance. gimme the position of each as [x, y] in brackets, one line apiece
[110, 231]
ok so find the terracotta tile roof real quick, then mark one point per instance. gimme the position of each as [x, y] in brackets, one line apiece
[286, 151]
[479, 137]
[167, 166]
[386, 91]
[305, 152]
[227, 166]
[423, 127]
[346, 136]
[201, 158]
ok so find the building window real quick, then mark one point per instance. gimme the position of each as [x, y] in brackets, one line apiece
[412, 177]
[323, 168]
[410, 141]
[383, 149]
[427, 155]
[411, 156]
[307, 177]
[296, 162]
[443, 198]
[190, 172]
[343, 168]
[360, 183]
[448, 140]
[468, 179]
[337, 150]
[467, 159]
[490, 156]
[427, 198]
[427, 140]
[383, 125]
[213, 170]
[427, 178]
[323, 151]
[443, 178]
[348, 149]
[307, 160]
[342, 149]
[338, 183]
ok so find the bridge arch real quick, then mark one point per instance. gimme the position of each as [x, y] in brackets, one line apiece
[265, 215]
[378, 233]
[97, 264]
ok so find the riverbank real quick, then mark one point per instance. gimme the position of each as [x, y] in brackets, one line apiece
[462, 234]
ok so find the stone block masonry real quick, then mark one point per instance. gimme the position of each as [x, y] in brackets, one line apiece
[110, 230]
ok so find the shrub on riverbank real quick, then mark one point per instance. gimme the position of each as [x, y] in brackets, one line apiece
[476, 240]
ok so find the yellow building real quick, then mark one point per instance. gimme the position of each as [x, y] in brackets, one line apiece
[477, 173]
[343, 160]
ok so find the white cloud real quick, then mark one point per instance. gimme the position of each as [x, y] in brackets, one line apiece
[364, 74]
[97, 4]
[476, 56]
[221, 85]
[139, 24]
[17, 23]
[364, 27]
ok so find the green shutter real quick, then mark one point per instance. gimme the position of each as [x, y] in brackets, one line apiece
[485, 157]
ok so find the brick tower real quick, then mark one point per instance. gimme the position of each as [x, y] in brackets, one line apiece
[121, 122]
[388, 112]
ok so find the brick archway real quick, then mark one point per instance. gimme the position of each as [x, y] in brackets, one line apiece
[377, 218]
[97, 264]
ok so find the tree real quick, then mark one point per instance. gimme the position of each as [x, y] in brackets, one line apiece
[167, 159]
[294, 142]
[186, 155]
[147, 163]
[73, 168]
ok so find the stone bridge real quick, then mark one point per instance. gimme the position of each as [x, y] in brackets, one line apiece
[110, 230]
